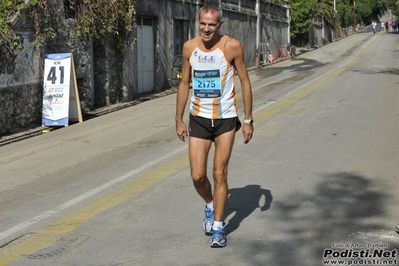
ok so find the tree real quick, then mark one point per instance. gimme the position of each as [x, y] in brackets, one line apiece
[326, 9]
[302, 14]
[9, 10]
[95, 18]
[393, 5]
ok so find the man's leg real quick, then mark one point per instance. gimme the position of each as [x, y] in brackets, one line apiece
[198, 153]
[223, 147]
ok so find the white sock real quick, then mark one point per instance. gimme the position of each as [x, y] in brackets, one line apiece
[217, 225]
[210, 205]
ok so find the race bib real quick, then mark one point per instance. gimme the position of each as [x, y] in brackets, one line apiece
[207, 84]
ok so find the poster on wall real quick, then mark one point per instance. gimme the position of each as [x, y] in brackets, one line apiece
[60, 95]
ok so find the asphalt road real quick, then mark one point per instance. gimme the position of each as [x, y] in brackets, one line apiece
[318, 181]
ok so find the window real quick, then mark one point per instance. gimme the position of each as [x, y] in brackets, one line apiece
[180, 35]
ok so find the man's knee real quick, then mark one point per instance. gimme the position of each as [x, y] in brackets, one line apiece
[219, 173]
[220, 176]
[199, 177]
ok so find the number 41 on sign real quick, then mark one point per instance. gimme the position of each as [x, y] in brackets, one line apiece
[60, 91]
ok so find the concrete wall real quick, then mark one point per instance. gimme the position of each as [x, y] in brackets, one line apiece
[320, 33]
[105, 76]
[240, 22]
[164, 13]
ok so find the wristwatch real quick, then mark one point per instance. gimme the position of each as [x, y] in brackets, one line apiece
[249, 122]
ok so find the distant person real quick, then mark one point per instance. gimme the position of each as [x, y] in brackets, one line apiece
[394, 25]
[213, 112]
[382, 26]
[374, 25]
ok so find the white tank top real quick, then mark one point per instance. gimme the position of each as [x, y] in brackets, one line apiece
[214, 94]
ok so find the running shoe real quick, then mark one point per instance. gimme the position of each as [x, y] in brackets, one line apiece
[219, 239]
[208, 221]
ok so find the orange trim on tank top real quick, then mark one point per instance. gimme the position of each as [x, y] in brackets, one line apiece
[197, 107]
[223, 41]
[214, 108]
[195, 46]
[235, 101]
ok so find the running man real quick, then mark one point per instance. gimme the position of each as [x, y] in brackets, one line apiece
[210, 61]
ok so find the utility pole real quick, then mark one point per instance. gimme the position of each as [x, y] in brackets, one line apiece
[354, 15]
[335, 21]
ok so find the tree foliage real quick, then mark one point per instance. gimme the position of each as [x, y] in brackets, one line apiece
[100, 17]
[363, 11]
[392, 5]
[95, 18]
[8, 10]
[302, 14]
[326, 9]
[347, 13]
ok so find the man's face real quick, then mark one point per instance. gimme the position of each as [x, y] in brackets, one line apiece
[209, 25]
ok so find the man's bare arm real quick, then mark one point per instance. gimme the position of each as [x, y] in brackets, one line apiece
[237, 56]
[183, 92]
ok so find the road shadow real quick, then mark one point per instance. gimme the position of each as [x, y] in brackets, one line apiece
[301, 65]
[386, 71]
[345, 207]
[243, 201]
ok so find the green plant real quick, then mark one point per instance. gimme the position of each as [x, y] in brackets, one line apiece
[9, 10]
[47, 25]
[302, 13]
[96, 18]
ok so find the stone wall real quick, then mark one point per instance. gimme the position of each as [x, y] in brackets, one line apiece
[21, 76]
[18, 108]
[20, 87]
[82, 51]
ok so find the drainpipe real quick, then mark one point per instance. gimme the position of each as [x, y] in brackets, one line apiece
[92, 91]
[257, 11]
[335, 21]
[289, 21]
[257, 38]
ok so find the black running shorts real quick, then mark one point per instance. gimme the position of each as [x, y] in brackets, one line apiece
[205, 128]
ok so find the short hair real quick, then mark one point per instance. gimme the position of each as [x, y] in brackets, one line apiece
[212, 8]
